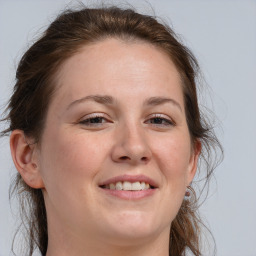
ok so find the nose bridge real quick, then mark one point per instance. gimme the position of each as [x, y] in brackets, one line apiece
[131, 144]
[134, 137]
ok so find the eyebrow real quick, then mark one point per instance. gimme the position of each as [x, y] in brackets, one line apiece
[102, 99]
[109, 100]
[154, 101]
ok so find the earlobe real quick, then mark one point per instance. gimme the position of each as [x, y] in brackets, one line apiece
[194, 161]
[25, 159]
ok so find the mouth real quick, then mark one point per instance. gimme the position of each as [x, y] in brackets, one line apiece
[129, 187]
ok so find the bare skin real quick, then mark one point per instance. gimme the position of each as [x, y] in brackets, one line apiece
[118, 113]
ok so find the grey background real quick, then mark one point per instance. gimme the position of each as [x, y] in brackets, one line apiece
[222, 35]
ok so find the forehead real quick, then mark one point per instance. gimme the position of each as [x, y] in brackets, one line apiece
[118, 67]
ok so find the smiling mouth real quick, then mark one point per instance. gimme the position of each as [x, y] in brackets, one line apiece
[128, 186]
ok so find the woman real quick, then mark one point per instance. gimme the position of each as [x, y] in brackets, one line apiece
[106, 134]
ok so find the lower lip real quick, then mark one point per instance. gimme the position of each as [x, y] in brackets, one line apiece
[129, 195]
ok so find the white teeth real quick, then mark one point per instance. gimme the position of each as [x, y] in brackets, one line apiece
[128, 186]
[119, 185]
[136, 186]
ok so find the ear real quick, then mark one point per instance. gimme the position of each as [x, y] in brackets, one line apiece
[195, 153]
[24, 155]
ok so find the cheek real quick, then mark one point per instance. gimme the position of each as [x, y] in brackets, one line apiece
[173, 156]
[70, 163]
[70, 159]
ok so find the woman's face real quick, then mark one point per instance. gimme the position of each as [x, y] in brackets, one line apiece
[116, 156]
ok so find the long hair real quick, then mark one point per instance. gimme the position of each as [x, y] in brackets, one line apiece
[34, 89]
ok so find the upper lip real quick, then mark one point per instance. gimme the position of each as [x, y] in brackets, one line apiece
[130, 178]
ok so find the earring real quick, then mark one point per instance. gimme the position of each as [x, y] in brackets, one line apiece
[188, 193]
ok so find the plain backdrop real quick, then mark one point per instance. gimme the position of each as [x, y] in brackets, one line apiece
[222, 35]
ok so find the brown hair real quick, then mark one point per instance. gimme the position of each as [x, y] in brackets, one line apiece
[34, 89]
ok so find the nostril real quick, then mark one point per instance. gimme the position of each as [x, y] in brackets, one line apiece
[144, 158]
[124, 157]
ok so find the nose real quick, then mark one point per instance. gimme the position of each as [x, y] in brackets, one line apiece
[131, 146]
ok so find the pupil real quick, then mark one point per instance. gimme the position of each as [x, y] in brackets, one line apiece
[96, 120]
[158, 120]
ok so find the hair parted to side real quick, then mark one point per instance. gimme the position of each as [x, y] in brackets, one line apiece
[35, 87]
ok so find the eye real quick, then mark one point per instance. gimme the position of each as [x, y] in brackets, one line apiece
[93, 120]
[160, 120]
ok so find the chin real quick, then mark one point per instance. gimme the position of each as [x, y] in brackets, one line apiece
[135, 227]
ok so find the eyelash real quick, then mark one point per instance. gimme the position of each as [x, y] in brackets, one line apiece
[91, 118]
[160, 117]
[98, 117]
